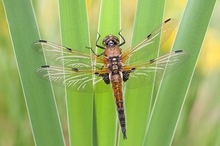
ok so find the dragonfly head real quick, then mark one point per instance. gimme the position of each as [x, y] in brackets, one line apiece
[110, 41]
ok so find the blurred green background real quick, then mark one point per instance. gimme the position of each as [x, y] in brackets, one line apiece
[199, 123]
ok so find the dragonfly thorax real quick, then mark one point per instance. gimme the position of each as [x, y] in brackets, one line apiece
[114, 65]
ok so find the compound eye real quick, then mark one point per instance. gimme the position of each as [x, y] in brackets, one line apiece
[104, 41]
[116, 41]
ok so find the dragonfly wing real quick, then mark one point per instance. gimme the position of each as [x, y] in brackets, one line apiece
[146, 71]
[144, 48]
[77, 79]
[64, 55]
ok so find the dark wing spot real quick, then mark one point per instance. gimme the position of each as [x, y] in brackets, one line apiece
[45, 66]
[167, 20]
[152, 60]
[178, 51]
[69, 49]
[149, 36]
[75, 69]
[42, 41]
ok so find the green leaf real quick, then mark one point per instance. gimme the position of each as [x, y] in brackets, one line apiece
[75, 34]
[38, 95]
[172, 92]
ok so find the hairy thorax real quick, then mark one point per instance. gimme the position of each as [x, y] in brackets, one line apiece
[113, 51]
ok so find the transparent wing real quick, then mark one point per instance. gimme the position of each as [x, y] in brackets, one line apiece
[64, 55]
[144, 48]
[81, 80]
[144, 73]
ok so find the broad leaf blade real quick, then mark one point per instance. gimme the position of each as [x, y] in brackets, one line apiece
[38, 94]
[75, 34]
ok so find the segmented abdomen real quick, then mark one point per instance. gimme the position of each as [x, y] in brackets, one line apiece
[116, 80]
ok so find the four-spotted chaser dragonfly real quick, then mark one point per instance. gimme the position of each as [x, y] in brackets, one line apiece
[80, 71]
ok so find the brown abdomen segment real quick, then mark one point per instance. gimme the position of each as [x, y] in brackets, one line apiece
[116, 81]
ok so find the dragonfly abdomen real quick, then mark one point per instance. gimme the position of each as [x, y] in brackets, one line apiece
[116, 80]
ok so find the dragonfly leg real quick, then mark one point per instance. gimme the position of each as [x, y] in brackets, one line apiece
[105, 77]
[94, 52]
[101, 47]
[126, 74]
[119, 33]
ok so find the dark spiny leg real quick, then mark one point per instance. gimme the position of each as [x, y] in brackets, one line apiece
[126, 74]
[94, 52]
[101, 47]
[119, 33]
[105, 77]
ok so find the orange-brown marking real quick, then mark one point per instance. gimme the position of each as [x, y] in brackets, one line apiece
[116, 81]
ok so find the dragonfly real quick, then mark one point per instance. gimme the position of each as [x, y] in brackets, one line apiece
[83, 72]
